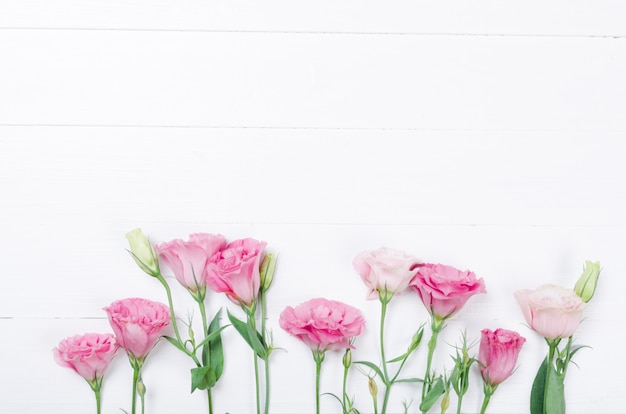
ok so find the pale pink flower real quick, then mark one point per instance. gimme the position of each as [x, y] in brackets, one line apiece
[550, 310]
[443, 289]
[88, 355]
[235, 271]
[323, 324]
[498, 354]
[188, 259]
[385, 271]
[138, 324]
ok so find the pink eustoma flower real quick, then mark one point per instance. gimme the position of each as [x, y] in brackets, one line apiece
[385, 271]
[443, 289]
[235, 271]
[498, 354]
[88, 355]
[138, 324]
[188, 259]
[323, 324]
[550, 310]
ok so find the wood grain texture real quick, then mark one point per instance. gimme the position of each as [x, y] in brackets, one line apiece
[485, 135]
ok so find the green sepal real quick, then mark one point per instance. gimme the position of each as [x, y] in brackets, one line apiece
[202, 378]
[431, 397]
[249, 335]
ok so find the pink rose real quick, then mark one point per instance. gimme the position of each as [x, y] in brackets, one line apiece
[137, 324]
[498, 353]
[551, 311]
[88, 355]
[444, 289]
[385, 270]
[188, 259]
[235, 271]
[323, 324]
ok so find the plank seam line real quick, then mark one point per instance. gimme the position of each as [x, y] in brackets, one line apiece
[322, 33]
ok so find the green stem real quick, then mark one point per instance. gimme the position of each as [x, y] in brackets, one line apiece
[266, 360]
[205, 331]
[436, 326]
[459, 402]
[318, 369]
[252, 322]
[343, 389]
[485, 403]
[383, 314]
[136, 369]
[98, 402]
[552, 344]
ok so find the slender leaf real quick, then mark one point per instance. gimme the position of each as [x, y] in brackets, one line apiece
[400, 358]
[257, 343]
[177, 344]
[211, 336]
[537, 392]
[409, 380]
[433, 395]
[212, 352]
[555, 399]
[374, 367]
[245, 332]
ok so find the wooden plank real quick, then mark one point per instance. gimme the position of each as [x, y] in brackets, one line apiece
[534, 17]
[311, 81]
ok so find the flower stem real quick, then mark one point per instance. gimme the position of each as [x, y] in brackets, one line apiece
[136, 369]
[266, 366]
[459, 402]
[98, 405]
[436, 327]
[552, 344]
[343, 388]
[318, 357]
[383, 313]
[205, 332]
[485, 402]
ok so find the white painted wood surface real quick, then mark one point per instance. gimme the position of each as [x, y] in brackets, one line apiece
[486, 135]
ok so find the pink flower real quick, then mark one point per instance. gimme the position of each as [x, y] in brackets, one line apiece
[137, 324]
[235, 271]
[498, 353]
[551, 311]
[385, 270]
[188, 259]
[323, 324]
[444, 289]
[88, 355]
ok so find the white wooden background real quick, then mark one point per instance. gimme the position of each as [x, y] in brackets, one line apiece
[488, 135]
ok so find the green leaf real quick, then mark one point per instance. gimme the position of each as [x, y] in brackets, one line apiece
[212, 352]
[555, 399]
[202, 378]
[537, 392]
[177, 344]
[211, 336]
[245, 330]
[374, 367]
[257, 342]
[433, 395]
[400, 358]
[409, 380]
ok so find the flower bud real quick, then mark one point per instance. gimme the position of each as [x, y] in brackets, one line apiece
[143, 253]
[347, 358]
[141, 388]
[445, 402]
[372, 387]
[266, 272]
[586, 284]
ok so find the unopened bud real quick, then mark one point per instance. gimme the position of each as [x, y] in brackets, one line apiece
[417, 339]
[141, 388]
[372, 387]
[445, 403]
[586, 284]
[347, 358]
[266, 271]
[143, 253]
